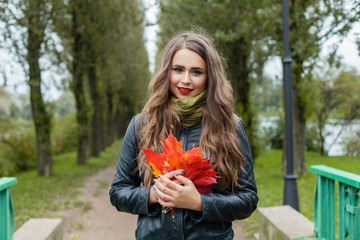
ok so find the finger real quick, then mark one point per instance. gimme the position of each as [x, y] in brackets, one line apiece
[183, 180]
[163, 197]
[171, 175]
[165, 203]
[171, 184]
[178, 182]
[163, 187]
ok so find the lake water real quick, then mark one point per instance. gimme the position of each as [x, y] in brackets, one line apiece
[337, 149]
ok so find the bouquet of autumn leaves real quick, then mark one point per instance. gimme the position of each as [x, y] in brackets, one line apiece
[197, 169]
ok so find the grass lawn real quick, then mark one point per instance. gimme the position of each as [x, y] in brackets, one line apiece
[270, 181]
[33, 195]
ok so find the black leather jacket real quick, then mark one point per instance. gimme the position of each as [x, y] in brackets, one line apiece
[219, 209]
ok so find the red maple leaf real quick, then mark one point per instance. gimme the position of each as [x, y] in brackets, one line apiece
[198, 169]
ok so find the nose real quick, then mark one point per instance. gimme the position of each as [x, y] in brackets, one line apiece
[186, 78]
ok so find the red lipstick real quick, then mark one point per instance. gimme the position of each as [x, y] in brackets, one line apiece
[184, 90]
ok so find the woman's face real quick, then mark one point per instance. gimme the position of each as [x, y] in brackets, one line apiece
[188, 74]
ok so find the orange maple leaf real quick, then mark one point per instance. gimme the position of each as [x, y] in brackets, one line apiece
[198, 169]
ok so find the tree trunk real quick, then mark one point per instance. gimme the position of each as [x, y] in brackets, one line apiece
[299, 123]
[321, 116]
[117, 124]
[110, 118]
[96, 119]
[97, 124]
[79, 91]
[42, 119]
[238, 55]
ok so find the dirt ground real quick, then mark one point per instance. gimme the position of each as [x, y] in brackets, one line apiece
[95, 218]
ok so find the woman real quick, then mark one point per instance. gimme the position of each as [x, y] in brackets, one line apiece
[190, 96]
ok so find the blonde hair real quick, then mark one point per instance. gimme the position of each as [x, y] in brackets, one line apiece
[219, 123]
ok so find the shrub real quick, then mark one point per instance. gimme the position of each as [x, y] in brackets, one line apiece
[18, 146]
[273, 132]
[352, 145]
[313, 142]
[64, 134]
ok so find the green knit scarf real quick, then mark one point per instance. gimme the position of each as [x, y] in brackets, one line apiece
[189, 109]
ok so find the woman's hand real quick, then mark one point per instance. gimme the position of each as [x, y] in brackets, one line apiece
[180, 193]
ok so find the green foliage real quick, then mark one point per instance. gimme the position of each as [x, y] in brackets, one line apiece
[17, 144]
[270, 181]
[14, 111]
[313, 140]
[347, 90]
[34, 196]
[65, 104]
[274, 134]
[105, 53]
[307, 19]
[267, 95]
[352, 145]
[335, 94]
[64, 138]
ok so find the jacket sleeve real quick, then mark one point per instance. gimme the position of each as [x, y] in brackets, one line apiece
[241, 203]
[126, 192]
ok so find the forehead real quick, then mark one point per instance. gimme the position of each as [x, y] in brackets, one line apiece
[188, 58]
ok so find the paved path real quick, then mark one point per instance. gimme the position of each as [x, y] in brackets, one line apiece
[96, 219]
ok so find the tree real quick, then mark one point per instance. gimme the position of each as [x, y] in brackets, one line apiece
[337, 97]
[104, 51]
[324, 102]
[28, 24]
[347, 92]
[124, 68]
[312, 23]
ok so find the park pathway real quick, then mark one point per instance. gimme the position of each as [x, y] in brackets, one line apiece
[95, 218]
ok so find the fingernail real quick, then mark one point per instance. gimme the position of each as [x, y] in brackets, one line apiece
[154, 188]
[183, 171]
[157, 198]
[190, 179]
[175, 173]
[155, 179]
[160, 176]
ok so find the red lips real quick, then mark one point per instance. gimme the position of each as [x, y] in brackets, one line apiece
[184, 90]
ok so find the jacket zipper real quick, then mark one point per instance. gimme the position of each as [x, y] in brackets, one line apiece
[185, 138]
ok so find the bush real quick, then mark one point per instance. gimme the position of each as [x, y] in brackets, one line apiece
[273, 132]
[18, 146]
[352, 145]
[64, 134]
[313, 142]
[18, 142]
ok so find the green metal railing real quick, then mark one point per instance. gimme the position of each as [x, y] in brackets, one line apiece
[348, 204]
[6, 209]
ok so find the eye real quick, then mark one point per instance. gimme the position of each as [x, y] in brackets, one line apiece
[196, 72]
[178, 70]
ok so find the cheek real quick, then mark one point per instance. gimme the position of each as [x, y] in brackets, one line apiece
[201, 83]
[174, 79]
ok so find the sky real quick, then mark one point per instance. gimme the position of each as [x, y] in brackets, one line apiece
[151, 31]
[273, 68]
[347, 49]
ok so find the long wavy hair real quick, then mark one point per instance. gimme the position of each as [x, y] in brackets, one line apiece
[218, 135]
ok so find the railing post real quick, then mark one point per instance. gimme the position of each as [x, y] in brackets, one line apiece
[6, 209]
[348, 198]
[325, 207]
[349, 211]
[343, 225]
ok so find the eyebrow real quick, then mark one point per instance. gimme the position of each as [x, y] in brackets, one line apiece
[193, 68]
